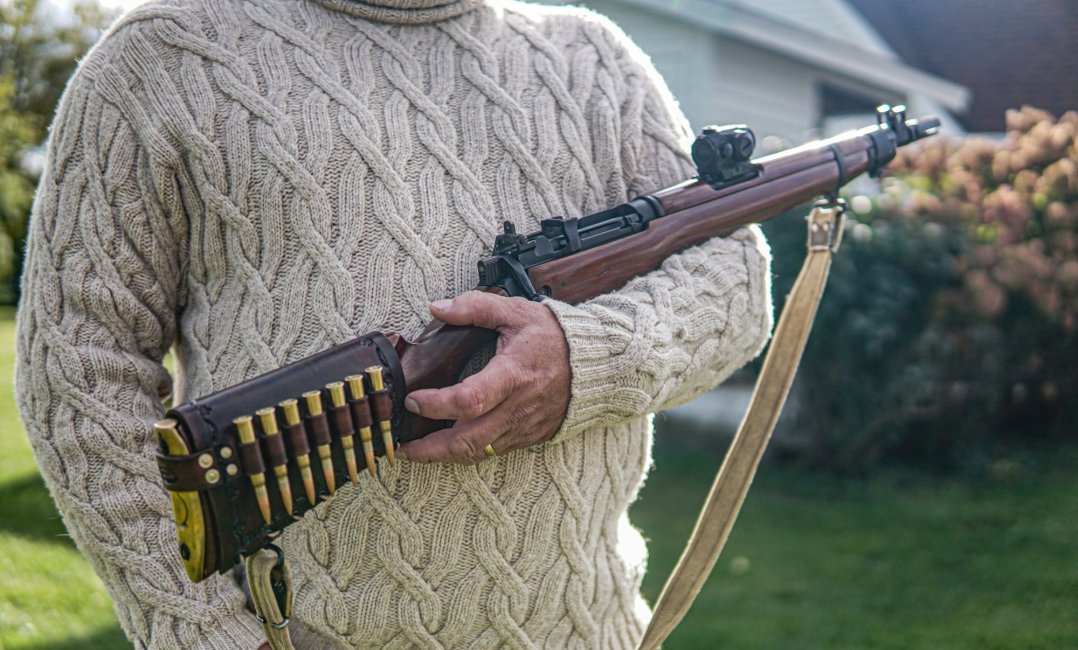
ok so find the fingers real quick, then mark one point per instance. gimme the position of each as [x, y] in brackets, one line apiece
[469, 399]
[462, 443]
[482, 309]
[506, 428]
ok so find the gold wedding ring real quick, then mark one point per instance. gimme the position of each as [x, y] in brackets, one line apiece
[489, 449]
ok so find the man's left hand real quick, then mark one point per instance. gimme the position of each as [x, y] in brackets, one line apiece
[519, 399]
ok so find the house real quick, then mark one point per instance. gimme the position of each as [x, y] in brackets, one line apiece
[1007, 53]
[790, 69]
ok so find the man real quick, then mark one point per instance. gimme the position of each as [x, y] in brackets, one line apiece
[253, 181]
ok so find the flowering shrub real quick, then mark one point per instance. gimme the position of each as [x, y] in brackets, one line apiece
[949, 330]
[1017, 203]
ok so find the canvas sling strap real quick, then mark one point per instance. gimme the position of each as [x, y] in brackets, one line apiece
[738, 468]
[271, 590]
[267, 572]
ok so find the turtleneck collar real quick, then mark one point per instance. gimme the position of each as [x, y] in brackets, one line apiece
[402, 12]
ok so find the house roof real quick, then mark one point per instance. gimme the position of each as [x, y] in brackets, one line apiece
[822, 17]
[1007, 53]
[831, 40]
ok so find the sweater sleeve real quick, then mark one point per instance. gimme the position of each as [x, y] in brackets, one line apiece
[100, 295]
[673, 334]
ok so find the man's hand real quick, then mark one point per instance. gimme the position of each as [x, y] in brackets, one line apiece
[519, 399]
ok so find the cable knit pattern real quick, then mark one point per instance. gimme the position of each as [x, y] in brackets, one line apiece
[248, 182]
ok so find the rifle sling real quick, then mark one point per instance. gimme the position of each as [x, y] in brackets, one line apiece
[270, 581]
[732, 483]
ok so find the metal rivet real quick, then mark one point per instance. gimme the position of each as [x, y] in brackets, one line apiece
[232, 469]
[212, 476]
[226, 452]
[205, 461]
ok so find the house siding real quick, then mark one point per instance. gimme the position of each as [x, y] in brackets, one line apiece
[721, 81]
[774, 95]
[723, 78]
[682, 53]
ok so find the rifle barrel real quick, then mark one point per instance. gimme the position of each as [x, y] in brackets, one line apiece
[694, 211]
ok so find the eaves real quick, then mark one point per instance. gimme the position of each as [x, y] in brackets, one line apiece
[830, 53]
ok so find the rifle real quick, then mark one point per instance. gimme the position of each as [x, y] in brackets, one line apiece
[216, 451]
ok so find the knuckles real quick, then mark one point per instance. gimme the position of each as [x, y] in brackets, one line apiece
[522, 306]
[523, 414]
[469, 300]
[515, 378]
[469, 403]
[464, 449]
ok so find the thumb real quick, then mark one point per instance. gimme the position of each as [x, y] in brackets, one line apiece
[480, 308]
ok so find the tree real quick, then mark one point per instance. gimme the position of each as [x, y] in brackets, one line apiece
[38, 53]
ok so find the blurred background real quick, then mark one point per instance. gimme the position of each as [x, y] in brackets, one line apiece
[922, 488]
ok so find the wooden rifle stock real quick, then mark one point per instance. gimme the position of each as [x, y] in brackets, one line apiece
[435, 359]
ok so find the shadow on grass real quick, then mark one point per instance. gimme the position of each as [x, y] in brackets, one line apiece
[27, 510]
[110, 638]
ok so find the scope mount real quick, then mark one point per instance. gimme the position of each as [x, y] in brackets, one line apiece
[723, 154]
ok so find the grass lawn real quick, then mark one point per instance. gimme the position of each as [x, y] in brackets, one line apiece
[49, 597]
[896, 561]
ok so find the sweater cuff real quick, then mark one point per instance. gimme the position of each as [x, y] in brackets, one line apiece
[594, 371]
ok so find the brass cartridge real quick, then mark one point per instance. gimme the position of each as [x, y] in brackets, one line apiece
[245, 428]
[348, 442]
[321, 434]
[358, 392]
[268, 419]
[386, 427]
[290, 407]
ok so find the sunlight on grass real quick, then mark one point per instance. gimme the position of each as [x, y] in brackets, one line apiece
[49, 596]
[16, 458]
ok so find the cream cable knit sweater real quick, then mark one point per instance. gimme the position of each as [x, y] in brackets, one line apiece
[252, 181]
